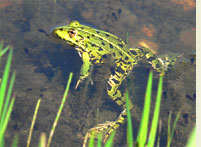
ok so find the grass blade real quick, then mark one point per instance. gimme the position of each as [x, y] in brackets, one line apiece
[42, 142]
[7, 100]
[99, 142]
[129, 123]
[142, 134]
[4, 81]
[4, 50]
[15, 141]
[192, 139]
[154, 125]
[33, 122]
[4, 125]
[110, 140]
[60, 109]
[171, 133]
[91, 140]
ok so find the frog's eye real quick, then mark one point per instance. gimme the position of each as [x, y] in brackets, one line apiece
[72, 33]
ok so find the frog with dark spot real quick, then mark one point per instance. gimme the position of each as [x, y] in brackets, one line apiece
[92, 44]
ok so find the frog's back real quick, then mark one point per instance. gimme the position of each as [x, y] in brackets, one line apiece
[107, 43]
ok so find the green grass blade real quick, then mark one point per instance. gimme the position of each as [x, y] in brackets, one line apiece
[4, 126]
[171, 133]
[159, 133]
[4, 81]
[42, 142]
[129, 123]
[126, 38]
[109, 142]
[60, 109]
[91, 140]
[99, 142]
[168, 136]
[15, 141]
[4, 50]
[154, 125]
[33, 122]
[173, 128]
[7, 100]
[192, 139]
[142, 134]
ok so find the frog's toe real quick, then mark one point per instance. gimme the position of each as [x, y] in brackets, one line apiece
[104, 130]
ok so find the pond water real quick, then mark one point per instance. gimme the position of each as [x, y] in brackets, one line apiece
[43, 65]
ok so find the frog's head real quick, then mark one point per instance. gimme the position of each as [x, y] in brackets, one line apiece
[69, 34]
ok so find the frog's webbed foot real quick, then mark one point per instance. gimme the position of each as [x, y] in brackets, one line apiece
[168, 61]
[105, 129]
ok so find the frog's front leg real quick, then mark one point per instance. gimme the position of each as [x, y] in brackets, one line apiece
[86, 67]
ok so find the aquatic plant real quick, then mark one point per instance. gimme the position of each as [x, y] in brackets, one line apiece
[6, 86]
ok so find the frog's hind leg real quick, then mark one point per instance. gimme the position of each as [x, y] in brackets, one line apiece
[160, 64]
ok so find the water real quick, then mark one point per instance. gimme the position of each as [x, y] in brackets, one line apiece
[43, 64]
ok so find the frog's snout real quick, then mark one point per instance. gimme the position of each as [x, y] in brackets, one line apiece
[55, 33]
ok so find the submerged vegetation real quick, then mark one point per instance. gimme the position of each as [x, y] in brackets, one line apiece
[143, 138]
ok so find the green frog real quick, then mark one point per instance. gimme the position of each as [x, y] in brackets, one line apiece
[92, 45]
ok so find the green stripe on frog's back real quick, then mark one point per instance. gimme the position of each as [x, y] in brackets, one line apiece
[108, 42]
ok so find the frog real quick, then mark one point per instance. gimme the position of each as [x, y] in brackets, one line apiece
[92, 45]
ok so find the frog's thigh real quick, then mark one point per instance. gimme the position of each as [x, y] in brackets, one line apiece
[115, 80]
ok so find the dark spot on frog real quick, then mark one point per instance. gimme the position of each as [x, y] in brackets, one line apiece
[111, 46]
[100, 38]
[109, 87]
[103, 43]
[82, 28]
[88, 37]
[185, 116]
[157, 65]
[120, 45]
[114, 54]
[100, 49]
[107, 35]
[120, 70]
[97, 32]
[126, 58]
[115, 81]
[133, 52]
[150, 59]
